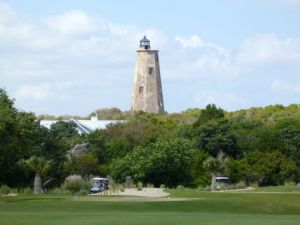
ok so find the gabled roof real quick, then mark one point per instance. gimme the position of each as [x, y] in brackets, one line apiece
[83, 126]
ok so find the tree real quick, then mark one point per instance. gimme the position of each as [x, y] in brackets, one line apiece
[271, 168]
[213, 166]
[40, 166]
[117, 148]
[119, 139]
[216, 137]
[84, 165]
[162, 162]
[200, 174]
[62, 129]
[264, 168]
[239, 170]
[55, 150]
[289, 135]
[211, 112]
[109, 114]
[18, 131]
[97, 142]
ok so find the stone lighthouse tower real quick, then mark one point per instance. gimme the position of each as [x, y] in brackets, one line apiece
[147, 93]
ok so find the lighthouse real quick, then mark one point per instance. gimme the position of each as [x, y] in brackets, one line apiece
[147, 92]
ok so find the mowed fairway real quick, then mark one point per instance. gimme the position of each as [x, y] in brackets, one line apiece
[183, 207]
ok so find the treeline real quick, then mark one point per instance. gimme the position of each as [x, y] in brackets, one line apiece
[257, 146]
[102, 114]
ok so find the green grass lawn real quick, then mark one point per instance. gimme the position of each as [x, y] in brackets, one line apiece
[183, 207]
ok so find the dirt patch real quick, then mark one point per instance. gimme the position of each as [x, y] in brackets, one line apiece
[238, 190]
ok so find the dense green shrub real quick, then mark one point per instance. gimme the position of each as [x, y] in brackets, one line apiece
[162, 162]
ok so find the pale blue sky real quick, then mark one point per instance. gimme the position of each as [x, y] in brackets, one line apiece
[74, 56]
[221, 21]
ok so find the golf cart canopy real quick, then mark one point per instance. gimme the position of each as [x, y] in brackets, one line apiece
[99, 178]
[222, 178]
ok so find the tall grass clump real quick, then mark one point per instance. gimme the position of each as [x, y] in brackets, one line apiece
[206, 188]
[27, 191]
[140, 186]
[180, 187]
[149, 185]
[5, 190]
[60, 191]
[75, 183]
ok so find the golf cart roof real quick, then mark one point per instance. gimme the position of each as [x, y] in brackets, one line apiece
[99, 178]
[222, 178]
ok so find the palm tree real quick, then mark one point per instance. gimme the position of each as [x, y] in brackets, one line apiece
[40, 166]
[214, 166]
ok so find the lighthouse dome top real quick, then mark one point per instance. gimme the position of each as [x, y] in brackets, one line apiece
[145, 43]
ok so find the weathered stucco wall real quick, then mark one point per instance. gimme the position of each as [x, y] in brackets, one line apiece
[147, 93]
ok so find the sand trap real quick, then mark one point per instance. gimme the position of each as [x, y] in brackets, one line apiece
[145, 192]
[11, 195]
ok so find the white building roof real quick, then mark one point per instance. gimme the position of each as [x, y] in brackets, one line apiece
[83, 126]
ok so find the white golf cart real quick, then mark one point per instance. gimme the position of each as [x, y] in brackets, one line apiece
[222, 182]
[99, 184]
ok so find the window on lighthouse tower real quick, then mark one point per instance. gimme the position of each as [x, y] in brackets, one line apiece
[150, 71]
[141, 89]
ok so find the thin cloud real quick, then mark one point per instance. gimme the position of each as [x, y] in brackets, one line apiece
[195, 41]
[37, 92]
[281, 86]
[223, 99]
[268, 48]
[71, 22]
